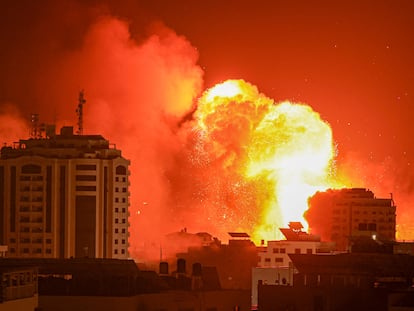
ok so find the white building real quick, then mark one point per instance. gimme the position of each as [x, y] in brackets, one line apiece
[64, 195]
[275, 266]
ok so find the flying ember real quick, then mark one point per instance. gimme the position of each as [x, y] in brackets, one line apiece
[283, 151]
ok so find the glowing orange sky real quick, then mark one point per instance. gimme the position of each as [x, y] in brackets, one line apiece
[351, 62]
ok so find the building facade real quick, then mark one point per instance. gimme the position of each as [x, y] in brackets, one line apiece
[342, 215]
[64, 196]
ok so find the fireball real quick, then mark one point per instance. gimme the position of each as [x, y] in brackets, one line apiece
[281, 152]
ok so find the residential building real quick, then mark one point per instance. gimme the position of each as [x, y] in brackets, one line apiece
[342, 215]
[344, 281]
[275, 265]
[64, 195]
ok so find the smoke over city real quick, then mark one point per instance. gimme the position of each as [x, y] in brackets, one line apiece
[142, 90]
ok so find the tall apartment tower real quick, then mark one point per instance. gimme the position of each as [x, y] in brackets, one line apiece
[64, 196]
[341, 215]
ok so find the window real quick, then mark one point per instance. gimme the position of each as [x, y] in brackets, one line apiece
[117, 178]
[116, 241]
[267, 260]
[123, 241]
[116, 220]
[123, 220]
[124, 179]
[116, 230]
[116, 200]
[116, 209]
[372, 227]
[85, 188]
[116, 189]
[124, 189]
[283, 250]
[362, 227]
[31, 169]
[122, 251]
[123, 230]
[120, 170]
[278, 259]
[86, 167]
[115, 251]
[123, 210]
[123, 200]
[309, 251]
[85, 177]
[48, 241]
[25, 250]
[297, 250]
[48, 251]
[275, 251]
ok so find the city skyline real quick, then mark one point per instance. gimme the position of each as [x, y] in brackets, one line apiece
[144, 64]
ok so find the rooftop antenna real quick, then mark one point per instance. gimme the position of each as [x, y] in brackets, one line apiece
[79, 112]
[34, 119]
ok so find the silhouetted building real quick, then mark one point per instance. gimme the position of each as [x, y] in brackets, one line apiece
[275, 266]
[344, 282]
[113, 284]
[64, 196]
[18, 287]
[343, 215]
[234, 262]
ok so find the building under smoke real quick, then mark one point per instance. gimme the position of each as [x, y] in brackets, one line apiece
[345, 215]
[64, 195]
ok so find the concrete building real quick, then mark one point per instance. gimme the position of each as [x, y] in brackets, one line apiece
[344, 281]
[18, 287]
[275, 266]
[342, 215]
[64, 195]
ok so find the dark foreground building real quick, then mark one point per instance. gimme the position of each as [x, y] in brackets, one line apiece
[344, 282]
[113, 284]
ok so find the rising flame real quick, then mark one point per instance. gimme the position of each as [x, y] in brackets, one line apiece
[284, 150]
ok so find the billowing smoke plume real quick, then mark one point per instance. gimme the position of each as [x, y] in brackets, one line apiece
[141, 94]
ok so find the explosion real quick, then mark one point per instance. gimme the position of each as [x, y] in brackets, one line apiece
[283, 151]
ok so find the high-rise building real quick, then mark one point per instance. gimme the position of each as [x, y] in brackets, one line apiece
[346, 214]
[64, 196]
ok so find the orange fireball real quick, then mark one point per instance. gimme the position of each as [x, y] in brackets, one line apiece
[284, 151]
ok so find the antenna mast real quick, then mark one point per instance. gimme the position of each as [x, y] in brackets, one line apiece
[79, 112]
[34, 133]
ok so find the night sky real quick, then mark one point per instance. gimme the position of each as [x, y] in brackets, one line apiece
[351, 61]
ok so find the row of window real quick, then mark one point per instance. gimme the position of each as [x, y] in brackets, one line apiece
[364, 227]
[26, 219]
[123, 210]
[277, 259]
[297, 250]
[123, 230]
[123, 221]
[123, 251]
[365, 212]
[25, 208]
[26, 250]
[123, 241]
[27, 240]
[33, 188]
[26, 198]
[31, 178]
